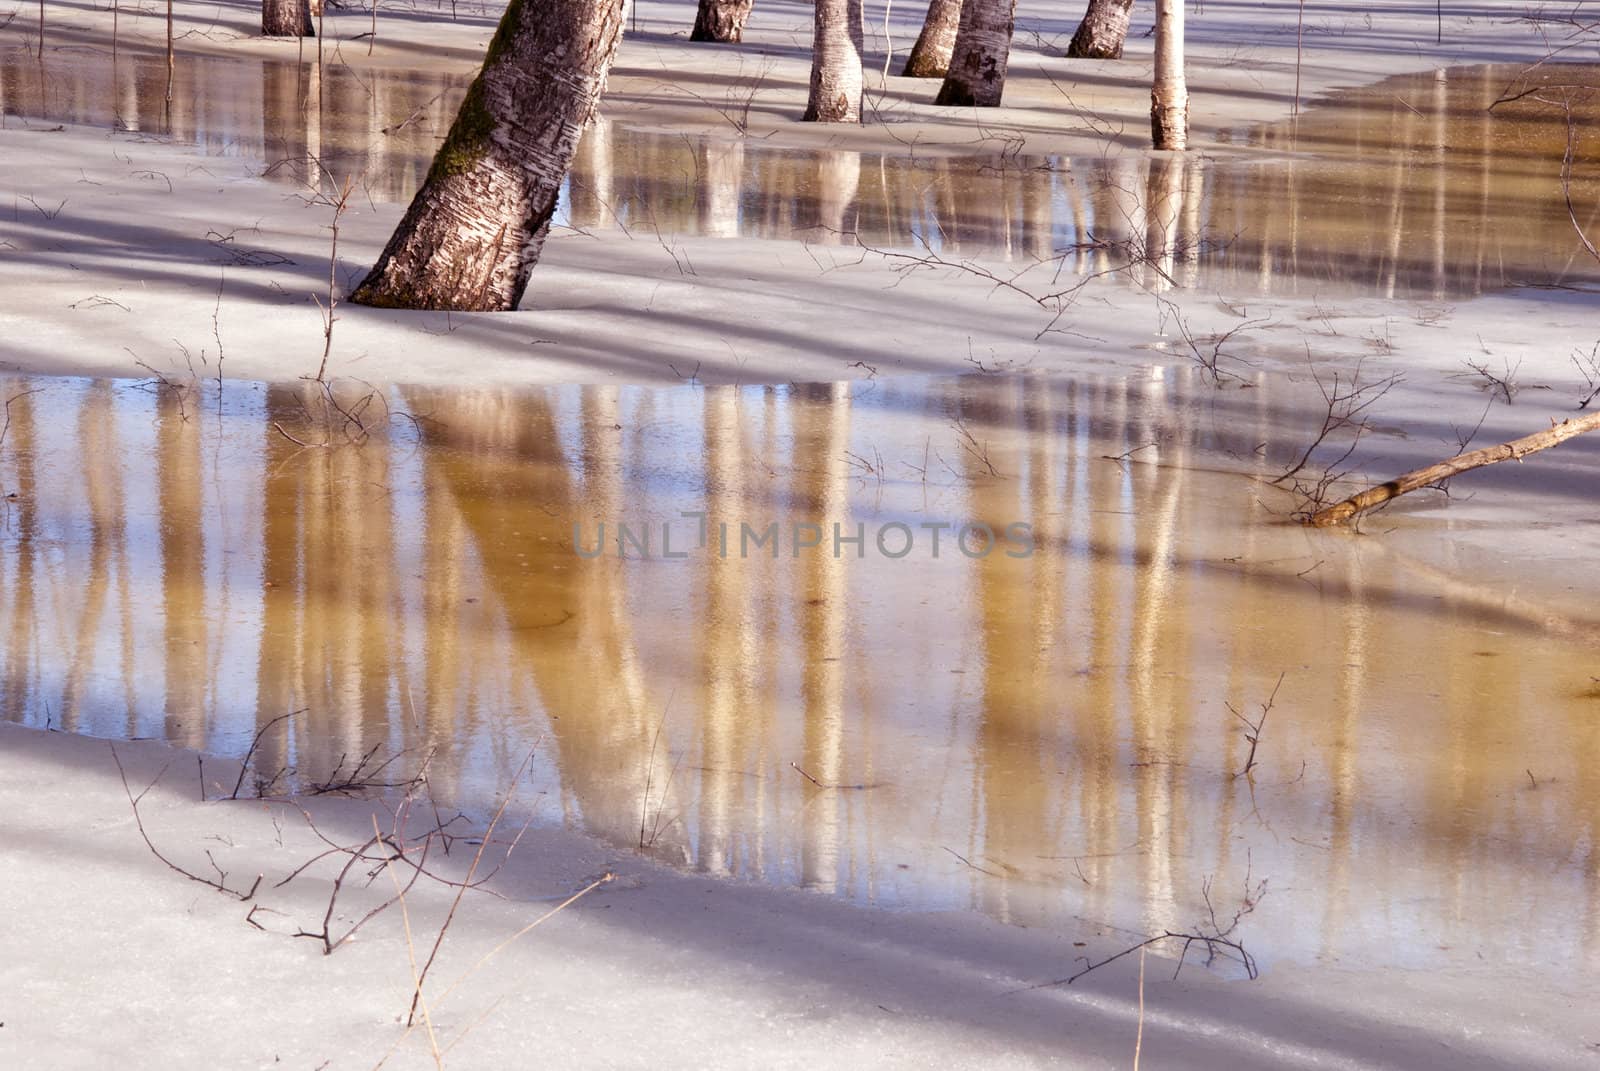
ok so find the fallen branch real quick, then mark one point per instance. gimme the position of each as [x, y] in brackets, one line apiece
[461, 889]
[1515, 450]
[1212, 934]
[221, 882]
[250, 755]
[363, 777]
[396, 850]
[1253, 728]
[1566, 178]
[603, 879]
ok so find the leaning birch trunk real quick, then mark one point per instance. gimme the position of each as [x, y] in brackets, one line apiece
[721, 21]
[1169, 94]
[836, 63]
[1103, 30]
[977, 74]
[930, 56]
[286, 18]
[1515, 450]
[475, 229]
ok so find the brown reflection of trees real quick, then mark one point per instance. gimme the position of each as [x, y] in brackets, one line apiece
[1411, 188]
[838, 184]
[1420, 191]
[1037, 228]
[1116, 202]
[988, 204]
[329, 642]
[1586, 764]
[589, 191]
[721, 186]
[495, 457]
[280, 660]
[19, 674]
[441, 708]
[288, 112]
[1160, 706]
[183, 567]
[1344, 772]
[821, 419]
[380, 125]
[1100, 526]
[1018, 738]
[726, 664]
[107, 532]
[1175, 237]
[1432, 743]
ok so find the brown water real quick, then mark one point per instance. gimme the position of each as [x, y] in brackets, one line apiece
[1411, 188]
[1039, 737]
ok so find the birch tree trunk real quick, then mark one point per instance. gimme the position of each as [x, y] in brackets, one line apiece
[1103, 30]
[977, 74]
[1169, 95]
[930, 56]
[474, 231]
[286, 18]
[836, 63]
[721, 21]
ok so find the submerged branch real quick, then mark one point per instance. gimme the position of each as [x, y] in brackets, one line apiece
[1515, 450]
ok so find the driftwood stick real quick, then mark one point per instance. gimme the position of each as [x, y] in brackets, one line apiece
[1515, 450]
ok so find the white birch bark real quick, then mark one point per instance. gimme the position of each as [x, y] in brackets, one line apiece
[286, 18]
[721, 21]
[930, 56]
[1103, 30]
[836, 63]
[475, 230]
[977, 74]
[1169, 95]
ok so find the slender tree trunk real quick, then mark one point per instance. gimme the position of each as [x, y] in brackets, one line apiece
[286, 18]
[474, 231]
[721, 21]
[977, 74]
[1169, 95]
[1103, 30]
[836, 63]
[930, 56]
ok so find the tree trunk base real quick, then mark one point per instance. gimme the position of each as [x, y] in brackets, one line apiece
[476, 227]
[958, 95]
[930, 56]
[1087, 48]
[923, 65]
[1103, 29]
[836, 74]
[282, 20]
[721, 22]
[1169, 124]
[977, 74]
